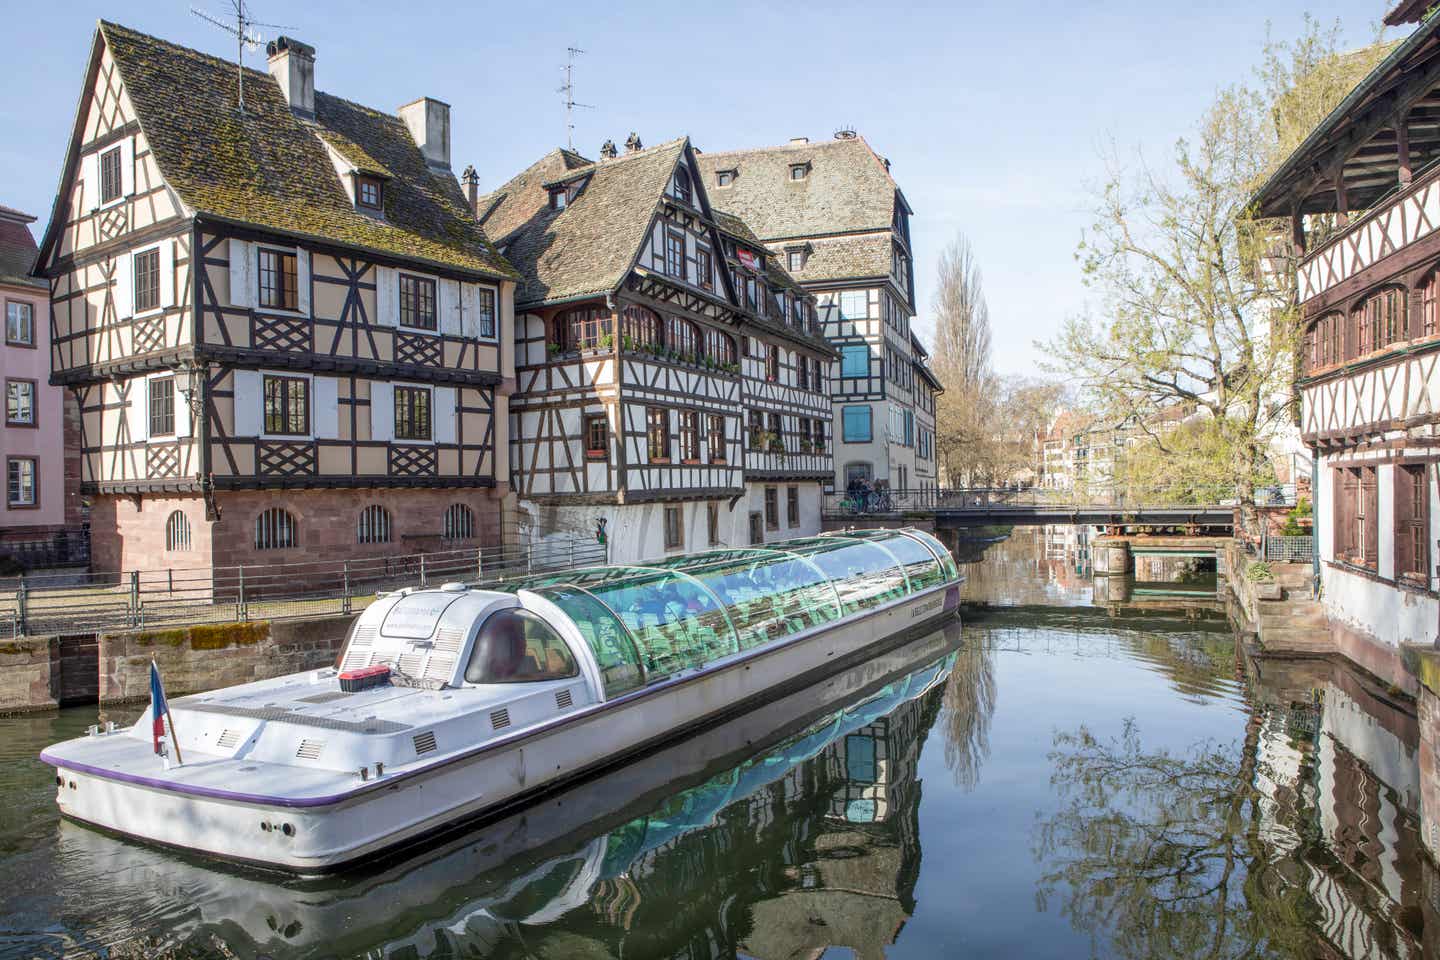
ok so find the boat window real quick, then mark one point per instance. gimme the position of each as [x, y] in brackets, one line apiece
[770, 595]
[516, 646]
[918, 560]
[947, 559]
[864, 575]
[608, 639]
[676, 622]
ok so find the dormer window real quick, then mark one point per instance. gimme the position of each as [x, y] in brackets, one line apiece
[369, 194]
[723, 178]
[682, 186]
[795, 260]
[799, 171]
[559, 198]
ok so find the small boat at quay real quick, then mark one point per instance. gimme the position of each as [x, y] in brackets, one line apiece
[453, 704]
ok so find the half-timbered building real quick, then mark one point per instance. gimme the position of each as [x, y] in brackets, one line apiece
[287, 333]
[840, 224]
[1363, 197]
[670, 383]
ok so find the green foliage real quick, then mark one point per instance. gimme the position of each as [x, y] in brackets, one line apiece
[1293, 525]
[1259, 572]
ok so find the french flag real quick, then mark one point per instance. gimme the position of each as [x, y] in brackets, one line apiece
[159, 709]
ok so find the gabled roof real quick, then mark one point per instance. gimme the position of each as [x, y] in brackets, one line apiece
[17, 249]
[848, 188]
[269, 169]
[845, 258]
[588, 247]
[775, 272]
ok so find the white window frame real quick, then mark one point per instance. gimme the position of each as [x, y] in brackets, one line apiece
[160, 299]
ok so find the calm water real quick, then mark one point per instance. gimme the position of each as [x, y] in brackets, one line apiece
[1066, 775]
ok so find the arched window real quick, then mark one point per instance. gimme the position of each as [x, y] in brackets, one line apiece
[373, 526]
[276, 529]
[459, 522]
[586, 327]
[682, 186]
[684, 338]
[177, 532]
[720, 347]
[1380, 320]
[643, 328]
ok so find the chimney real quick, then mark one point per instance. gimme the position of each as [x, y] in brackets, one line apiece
[470, 180]
[429, 123]
[632, 143]
[608, 151]
[292, 64]
[799, 141]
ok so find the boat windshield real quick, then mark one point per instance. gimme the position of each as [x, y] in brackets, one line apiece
[516, 646]
[646, 623]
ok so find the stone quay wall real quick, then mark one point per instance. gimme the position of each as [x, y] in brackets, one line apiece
[29, 674]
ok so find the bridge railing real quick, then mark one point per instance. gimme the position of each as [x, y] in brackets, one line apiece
[930, 500]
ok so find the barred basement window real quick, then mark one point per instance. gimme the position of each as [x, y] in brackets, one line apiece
[459, 522]
[177, 532]
[276, 529]
[373, 525]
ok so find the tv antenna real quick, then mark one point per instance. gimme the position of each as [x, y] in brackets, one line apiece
[241, 28]
[568, 88]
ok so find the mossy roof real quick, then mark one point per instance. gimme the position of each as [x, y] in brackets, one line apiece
[17, 250]
[588, 247]
[268, 168]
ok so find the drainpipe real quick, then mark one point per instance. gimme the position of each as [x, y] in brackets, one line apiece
[1314, 524]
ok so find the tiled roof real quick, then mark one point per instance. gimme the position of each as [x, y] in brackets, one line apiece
[269, 169]
[589, 246]
[774, 271]
[839, 258]
[847, 189]
[17, 249]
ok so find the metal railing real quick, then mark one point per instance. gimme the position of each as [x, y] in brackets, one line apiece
[67, 547]
[888, 501]
[1287, 549]
[45, 604]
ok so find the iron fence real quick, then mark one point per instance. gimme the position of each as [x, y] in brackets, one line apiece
[1288, 549]
[96, 602]
[67, 547]
[899, 501]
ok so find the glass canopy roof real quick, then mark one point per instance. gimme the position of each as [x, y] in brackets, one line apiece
[646, 623]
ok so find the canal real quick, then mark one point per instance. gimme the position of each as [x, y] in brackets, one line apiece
[1063, 775]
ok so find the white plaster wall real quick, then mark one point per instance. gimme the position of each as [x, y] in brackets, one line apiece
[1385, 477]
[1393, 616]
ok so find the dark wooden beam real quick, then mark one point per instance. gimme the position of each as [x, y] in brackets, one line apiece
[1402, 150]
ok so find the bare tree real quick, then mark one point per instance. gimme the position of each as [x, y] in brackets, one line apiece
[962, 318]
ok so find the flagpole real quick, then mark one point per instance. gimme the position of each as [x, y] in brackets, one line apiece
[174, 737]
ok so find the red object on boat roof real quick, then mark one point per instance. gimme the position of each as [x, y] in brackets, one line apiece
[364, 678]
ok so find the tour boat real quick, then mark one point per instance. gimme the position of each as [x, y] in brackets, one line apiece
[457, 703]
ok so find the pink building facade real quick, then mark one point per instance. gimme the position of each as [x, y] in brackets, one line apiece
[39, 442]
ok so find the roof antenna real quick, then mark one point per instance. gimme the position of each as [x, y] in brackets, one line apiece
[244, 36]
[568, 88]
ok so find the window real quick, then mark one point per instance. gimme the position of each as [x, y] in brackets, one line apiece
[20, 485]
[1412, 522]
[757, 529]
[417, 302]
[458, 523]
[855, 360]
[487, 312]
[723, 178]
[278, 287]
[817, 437]
[412, 413]
[177, 532]
[1380, 320]
[720, 347]
[287, 406]
[373, 525]
[1427, 307]
[516, 646]
[675, 254]
[772, 508]
[715, 437]
[704, 268]
[110, 179]
[19, 323]
[772, 362]
[1356, 516]
[819, 377]
[907, 436]
[643, 328]
[777, 439]
[712, 523]
[854, 305]
[682, 186]
[276, 529]
[795, 260]
[689, 436]
[147, 280]
[798, 171]
[597, 437]
[855, 424]
[757, 429]
[802, 372]
[674, 528]
[792, 506]
[20, 403]
[857, 473]
[657, 434]
[367, 193]
[559, 198]
[684, 339]
[587, 328]
[162, 406]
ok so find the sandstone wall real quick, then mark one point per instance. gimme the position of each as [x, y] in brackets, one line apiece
[29, 674]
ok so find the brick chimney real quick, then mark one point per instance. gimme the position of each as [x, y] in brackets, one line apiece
[632, 143]
[292, 64]
[470, 180]
[608, 151]
[429, 123]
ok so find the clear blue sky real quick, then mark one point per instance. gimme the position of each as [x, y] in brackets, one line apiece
[992, 113]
